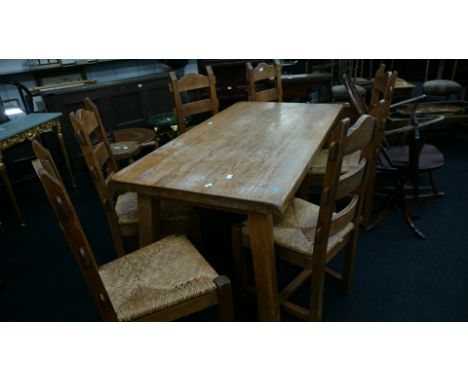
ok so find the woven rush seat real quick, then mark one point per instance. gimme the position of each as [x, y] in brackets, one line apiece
[126, 209]
[319, 164]
[295, 229]
[100, 157]
[310, 236]
[441, 87]
[156, 277]
[163, 281]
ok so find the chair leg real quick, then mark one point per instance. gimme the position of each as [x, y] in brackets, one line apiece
[224, 291]
[236, 252]
[317, 286]
[350, 259]
[368, 202]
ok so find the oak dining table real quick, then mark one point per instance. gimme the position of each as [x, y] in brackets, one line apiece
[250, 158]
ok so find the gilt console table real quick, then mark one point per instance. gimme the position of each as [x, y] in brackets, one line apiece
[28, 128]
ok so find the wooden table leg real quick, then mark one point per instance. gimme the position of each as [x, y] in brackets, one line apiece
[11, 194]
[63, 147]
[148, 219]
[263, 254]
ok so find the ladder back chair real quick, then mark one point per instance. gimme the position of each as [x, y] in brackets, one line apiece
[351, 69]
[193, 94]
[164, 281]
[359, 107]
[123, 216]
[379, 108]
[309, 235]
[405, 160]
[266, 74]
[124, 149]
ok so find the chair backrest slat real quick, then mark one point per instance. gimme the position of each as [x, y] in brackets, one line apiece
[344, 217]
[101, 154]
[351, 180]
[190, 84]
[379, 86]
[264, 72]
[358, 138]
[197, 107]
[267, 95]
[379, 108]
[73, 231]
[101, 133]
[191, 81]
[100, 164]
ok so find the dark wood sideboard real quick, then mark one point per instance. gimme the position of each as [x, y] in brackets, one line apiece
[122, 104]
[298, 78]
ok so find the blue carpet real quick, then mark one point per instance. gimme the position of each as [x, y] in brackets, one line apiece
[398, 277]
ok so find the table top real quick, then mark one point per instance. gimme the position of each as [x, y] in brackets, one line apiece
[251, 156]
[22, 124]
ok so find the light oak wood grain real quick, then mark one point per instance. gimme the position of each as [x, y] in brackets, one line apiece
[249, 158]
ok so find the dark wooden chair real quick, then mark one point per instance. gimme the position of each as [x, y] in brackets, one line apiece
[123, 217]
[194, 94]
[310, 236]
[266, 75]
[376, 108]
[128, 142]
[166, 280]
[406, 160]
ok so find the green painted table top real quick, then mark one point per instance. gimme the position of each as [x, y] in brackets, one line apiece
[20, 125]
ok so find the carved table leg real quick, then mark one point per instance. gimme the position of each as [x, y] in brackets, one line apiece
[11, 194]
[263, 255]
[63, 147]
